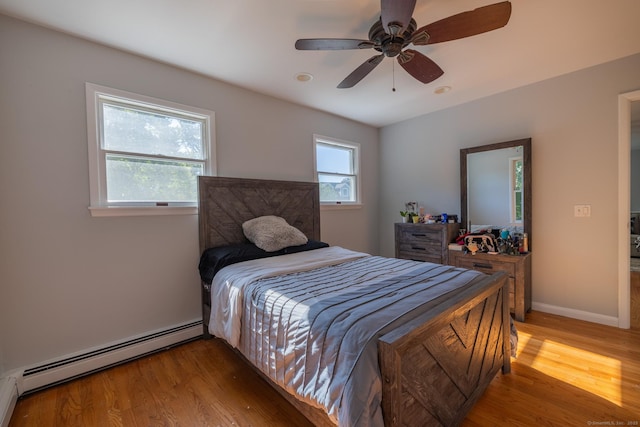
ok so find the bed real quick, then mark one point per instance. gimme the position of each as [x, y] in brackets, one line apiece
[430, 365]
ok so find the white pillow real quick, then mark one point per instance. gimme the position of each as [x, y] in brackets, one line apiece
[272, 233]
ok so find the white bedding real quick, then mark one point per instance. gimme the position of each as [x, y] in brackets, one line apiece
[227, 285]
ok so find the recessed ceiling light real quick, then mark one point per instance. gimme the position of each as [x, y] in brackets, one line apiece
[442, 89]
[304, 77]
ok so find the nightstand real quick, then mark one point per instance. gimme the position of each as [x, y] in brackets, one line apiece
[425, 242]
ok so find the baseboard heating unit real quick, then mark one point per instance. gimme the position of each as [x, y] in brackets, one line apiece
[77, 365]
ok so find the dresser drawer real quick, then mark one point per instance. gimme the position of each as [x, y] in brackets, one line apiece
[420, 247]
[420, 255]
[486, 266]
[420, 235]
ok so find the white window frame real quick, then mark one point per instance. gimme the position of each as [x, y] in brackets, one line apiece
[99, 205]
[319, 139]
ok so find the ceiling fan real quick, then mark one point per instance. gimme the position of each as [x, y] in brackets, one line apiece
[396, 29]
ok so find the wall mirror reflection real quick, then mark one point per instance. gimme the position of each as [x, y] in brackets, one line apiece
[495, 186]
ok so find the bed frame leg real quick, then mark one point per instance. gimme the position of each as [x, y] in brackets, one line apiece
[205, 332]
[506, 324]
[205, 294]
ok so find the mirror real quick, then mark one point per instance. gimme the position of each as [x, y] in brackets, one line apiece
[488, 194]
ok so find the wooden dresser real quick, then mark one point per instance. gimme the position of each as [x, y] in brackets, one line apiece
[517, 266]
[425, 242]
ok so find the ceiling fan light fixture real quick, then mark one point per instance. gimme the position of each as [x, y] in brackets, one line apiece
[441, 89]
[304, 77]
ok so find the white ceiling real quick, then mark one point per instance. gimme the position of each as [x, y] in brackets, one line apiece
[250, 43]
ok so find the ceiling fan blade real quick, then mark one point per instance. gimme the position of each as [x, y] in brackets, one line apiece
[396, 15]
[361, 72]
[465, 24]
[419, 66]
[333, 44]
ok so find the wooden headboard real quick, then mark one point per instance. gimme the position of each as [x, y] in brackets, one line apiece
[225, 203]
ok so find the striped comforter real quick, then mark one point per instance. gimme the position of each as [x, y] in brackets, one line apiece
[310, 320]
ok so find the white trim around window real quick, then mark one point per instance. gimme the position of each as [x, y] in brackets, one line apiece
[129, 152]
[346, 169]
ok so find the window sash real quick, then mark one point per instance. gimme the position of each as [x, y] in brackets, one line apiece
[333, 190]
[149, 112]
[126, 183]
[345, 169]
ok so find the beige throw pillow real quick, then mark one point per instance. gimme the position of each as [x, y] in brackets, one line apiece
[272, 233]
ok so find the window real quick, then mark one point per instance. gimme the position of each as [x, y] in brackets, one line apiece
[517, 200]
[145, 154]
[337, 167]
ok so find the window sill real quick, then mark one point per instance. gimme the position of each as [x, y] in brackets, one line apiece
[102, 211]
[341, 206]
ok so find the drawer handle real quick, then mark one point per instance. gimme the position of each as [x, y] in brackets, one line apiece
[479, 265]
[418, 235]
[418, 248]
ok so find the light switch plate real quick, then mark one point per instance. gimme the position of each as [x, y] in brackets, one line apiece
[582, 211]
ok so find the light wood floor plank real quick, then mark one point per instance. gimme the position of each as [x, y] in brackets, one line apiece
[635, 299]
[567, 372]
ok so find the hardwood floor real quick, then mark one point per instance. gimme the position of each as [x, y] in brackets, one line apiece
[567, 372]
[201, 383]
[635, 298]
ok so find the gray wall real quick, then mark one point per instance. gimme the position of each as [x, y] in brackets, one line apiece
[69, 282]
[573, 123]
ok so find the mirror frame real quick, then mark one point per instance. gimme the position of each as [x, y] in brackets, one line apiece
[526, 163]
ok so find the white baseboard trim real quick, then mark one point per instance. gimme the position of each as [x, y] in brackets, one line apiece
[8, 399]
[92, 360]
[575, 314]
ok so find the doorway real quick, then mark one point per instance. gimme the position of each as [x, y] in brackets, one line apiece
[625, 102]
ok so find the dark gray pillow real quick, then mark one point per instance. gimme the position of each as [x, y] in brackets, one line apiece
[213, 260]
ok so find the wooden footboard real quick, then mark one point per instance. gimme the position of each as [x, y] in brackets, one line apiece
[435, 367]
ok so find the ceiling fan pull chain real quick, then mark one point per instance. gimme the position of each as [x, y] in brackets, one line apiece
[393, 75]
